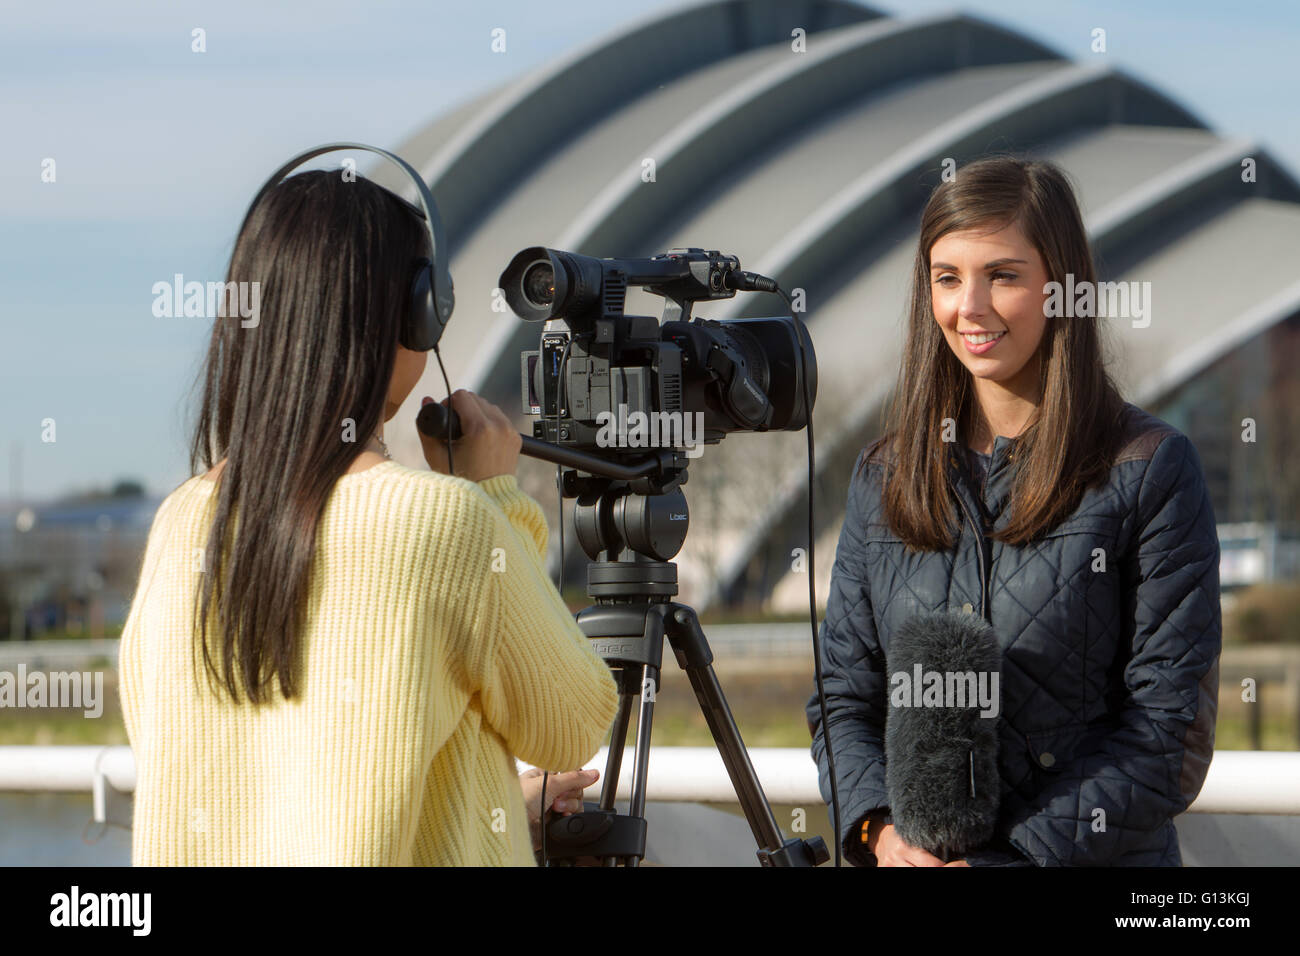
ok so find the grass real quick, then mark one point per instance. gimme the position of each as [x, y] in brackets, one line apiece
[673, 727]
[62, 728]
[768, 708]
[74, 634]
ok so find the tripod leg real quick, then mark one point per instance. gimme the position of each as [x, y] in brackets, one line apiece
[643, 723]
[627, 690]
[641, 766]
[696, 660]
[617, 740]
[735, 758]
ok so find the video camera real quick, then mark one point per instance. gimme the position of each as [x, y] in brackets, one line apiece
[617, 382]
[607, 385]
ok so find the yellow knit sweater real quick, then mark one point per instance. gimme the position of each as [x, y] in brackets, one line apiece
[435, 648]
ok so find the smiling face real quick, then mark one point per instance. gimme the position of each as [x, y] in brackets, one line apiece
[991, 282]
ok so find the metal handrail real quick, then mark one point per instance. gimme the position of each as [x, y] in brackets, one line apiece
[1239, 781]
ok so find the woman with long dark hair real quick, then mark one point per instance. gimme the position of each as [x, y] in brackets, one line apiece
[1013, 482]
[331, 658]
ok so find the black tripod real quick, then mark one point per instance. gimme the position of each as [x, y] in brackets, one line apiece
[627, 625]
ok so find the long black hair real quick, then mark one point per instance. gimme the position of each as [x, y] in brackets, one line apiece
[289, 401]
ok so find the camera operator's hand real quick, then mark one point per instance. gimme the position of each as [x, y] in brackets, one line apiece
[489, 445]
[892, 850]
[563, 795]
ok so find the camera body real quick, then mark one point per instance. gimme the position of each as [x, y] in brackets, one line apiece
[617, 383]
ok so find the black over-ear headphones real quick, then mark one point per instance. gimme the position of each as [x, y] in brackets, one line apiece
[432, 298]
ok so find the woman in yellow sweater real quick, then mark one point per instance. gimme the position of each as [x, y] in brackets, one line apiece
[331, 658]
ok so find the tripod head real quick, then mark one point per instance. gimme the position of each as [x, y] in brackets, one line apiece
[629, 527]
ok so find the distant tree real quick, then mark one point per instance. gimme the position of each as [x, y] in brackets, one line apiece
[122, 488]
[1266, 613]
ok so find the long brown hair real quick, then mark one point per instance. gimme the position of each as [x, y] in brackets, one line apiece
[333, 260]
[1073, 437]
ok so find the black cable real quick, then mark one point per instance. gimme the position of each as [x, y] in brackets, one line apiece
[752, 281]
[812, 569]
[543, 816]
[559, 487]
[451, 468]
[559, 491]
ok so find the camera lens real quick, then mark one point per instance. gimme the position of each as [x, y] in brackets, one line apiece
[539, 284]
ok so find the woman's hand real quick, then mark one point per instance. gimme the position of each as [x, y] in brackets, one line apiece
[892, 850]
[563, 795]
[489, 445]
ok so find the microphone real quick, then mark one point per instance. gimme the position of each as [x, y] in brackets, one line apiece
[941, 732]
[438, 421]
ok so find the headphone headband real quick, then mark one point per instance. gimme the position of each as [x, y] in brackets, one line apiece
[433, 284]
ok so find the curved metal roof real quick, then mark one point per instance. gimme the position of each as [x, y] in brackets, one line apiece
[812, 167]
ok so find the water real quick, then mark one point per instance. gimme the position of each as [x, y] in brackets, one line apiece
[45, 829]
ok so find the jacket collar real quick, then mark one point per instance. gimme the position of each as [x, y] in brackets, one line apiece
[990, 509]
[1002, 446]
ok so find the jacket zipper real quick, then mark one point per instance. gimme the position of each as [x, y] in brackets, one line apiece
[979, 540]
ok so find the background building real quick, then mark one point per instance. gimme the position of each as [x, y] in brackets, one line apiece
[804, 138]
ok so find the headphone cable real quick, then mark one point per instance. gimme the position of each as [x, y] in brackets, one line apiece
[451, 468]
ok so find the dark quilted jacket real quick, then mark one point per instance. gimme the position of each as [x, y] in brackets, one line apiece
[1109, 678]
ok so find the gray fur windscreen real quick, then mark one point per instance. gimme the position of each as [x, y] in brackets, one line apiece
[941, 731]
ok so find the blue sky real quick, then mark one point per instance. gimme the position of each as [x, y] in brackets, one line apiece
[159, 151]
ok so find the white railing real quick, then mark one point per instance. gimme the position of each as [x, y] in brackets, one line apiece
[38, 654]
[1239, 781]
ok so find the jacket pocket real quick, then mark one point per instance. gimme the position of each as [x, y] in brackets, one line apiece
[876, 533]
[1100, 526]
